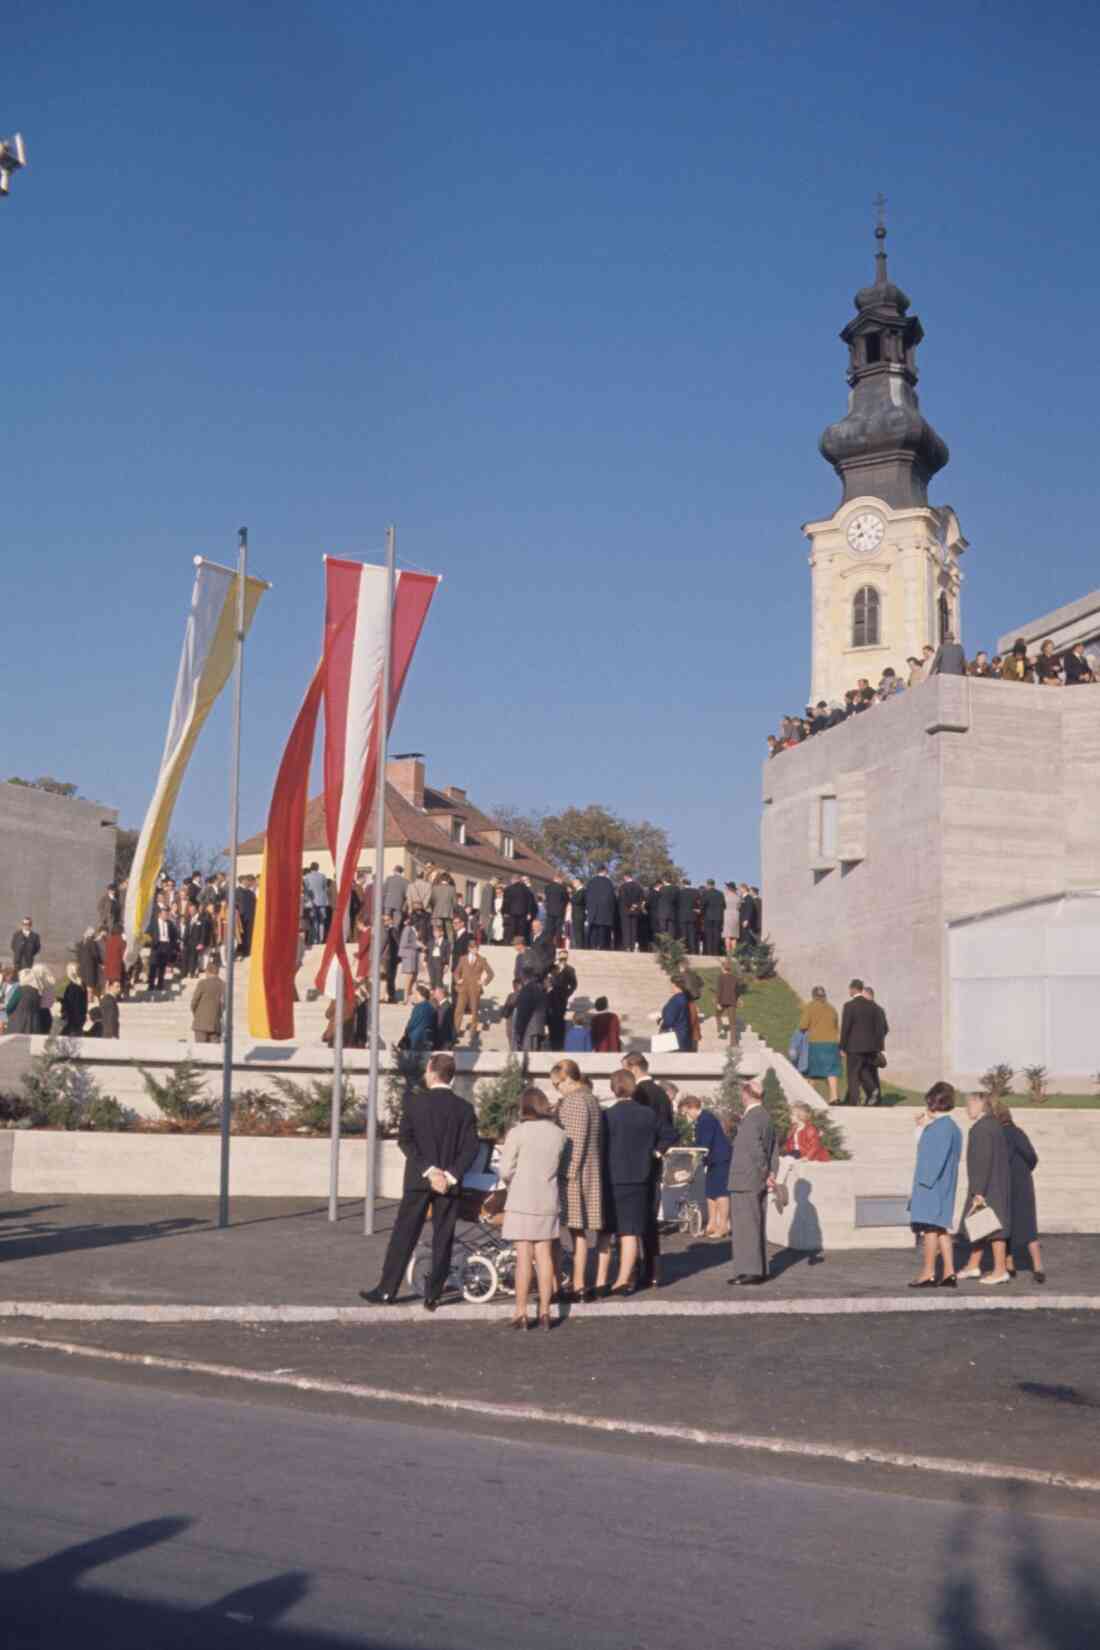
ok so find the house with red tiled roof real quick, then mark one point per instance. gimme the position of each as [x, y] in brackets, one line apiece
[424, 826]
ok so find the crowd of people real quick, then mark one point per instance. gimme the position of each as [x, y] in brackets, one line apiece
[1070, 668]
[572, 1167]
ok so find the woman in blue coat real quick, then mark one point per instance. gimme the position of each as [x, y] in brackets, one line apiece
[710, 1135]
[935, 1181]
[676, 1017]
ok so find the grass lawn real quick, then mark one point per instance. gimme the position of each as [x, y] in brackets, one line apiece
[772, 1009]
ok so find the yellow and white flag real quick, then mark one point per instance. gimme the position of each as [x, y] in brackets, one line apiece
[205, 665]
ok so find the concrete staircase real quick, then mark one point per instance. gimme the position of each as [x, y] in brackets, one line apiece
[632, 983]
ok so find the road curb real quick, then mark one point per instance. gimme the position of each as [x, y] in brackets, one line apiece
[380, 1317]
[533, 1415]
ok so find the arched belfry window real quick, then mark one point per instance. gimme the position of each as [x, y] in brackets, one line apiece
[945, 618]
[866, 617]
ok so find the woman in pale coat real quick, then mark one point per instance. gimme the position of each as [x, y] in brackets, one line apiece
[408, 957]
[530, 1166]
[581, 1117]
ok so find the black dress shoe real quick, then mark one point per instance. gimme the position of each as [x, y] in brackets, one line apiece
[591, 1295]
[1038, 1277]
[377, 1296]
[923, 1283]
[740, 1278]
[431, 1302]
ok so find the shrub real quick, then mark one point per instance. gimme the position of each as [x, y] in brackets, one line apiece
[671, 955]
[1036, 1079]
[255, 1112]
[183, 1099]
[757, 958]
[497, 1100]
[997, 1081]
[59, 1093]
[726, 1102]
[309, 1106]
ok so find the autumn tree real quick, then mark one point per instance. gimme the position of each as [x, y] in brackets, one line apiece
[579, 840]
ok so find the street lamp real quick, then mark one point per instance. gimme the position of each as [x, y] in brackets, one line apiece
[13, 155]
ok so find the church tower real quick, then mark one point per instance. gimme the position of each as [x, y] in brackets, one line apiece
[885, 566]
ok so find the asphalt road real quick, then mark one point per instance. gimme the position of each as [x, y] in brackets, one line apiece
[135, 1516]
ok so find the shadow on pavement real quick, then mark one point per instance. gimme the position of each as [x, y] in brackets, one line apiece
[56, 1240]
[1046, 1613]
[46, 1606]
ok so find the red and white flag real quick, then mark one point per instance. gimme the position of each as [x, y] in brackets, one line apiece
[353, 669]
[349, 683]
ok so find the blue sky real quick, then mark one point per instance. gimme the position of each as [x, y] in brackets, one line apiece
[557, 291]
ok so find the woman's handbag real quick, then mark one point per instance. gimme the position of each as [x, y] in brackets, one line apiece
[981, 1223]
[798, 1051]
[664, 1042]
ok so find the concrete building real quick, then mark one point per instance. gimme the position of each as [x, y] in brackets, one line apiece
[944, 845]
[424, 826]
[58, 854]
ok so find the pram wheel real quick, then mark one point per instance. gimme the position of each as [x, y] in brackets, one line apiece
[505, 1264]
[695, 1220]
[418, 1272]
[479, 1280]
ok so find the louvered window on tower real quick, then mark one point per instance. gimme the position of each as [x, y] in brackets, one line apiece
[874, 348]
[866, 627]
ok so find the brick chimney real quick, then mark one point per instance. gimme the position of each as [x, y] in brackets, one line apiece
[457, 792]
[406, 775]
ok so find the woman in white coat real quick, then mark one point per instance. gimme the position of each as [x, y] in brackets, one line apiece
[530, 1166]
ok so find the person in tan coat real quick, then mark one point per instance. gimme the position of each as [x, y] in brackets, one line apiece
[470, 978]
[820, 1022]
[207, 1004]
[581, 1116]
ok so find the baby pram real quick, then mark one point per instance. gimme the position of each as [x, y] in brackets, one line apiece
[482, 1263]
[683, 1190]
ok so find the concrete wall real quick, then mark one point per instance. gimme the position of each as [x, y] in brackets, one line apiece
[58, 856]
[1025, 984]
[954, 798]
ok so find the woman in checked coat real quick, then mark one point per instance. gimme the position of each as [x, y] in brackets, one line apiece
[581, 1116]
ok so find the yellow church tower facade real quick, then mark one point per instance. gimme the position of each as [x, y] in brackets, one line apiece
[885, 566]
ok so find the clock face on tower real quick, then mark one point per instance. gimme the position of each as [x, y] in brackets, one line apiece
[865, 533]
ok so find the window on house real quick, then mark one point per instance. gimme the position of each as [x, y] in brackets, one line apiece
[826, 827]
[458, 830]
[508, 846]
[866, 618]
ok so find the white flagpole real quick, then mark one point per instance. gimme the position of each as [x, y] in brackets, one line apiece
[377, 914]
[336, 972]
[231, 913]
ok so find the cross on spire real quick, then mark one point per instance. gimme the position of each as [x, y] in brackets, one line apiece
[879, 204]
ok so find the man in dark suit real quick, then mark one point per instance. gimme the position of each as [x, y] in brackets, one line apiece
[882, 1031]
[651, 1094]
[538, 959]
[685, 915]
[443, 1036]
[631, 910]
[438, 1136]
[714, 911]
[665, 906]
[599, 903]
[861, 1039]
[556, 898]
[950, 660]
[25, 945]
[246, 907]
[163, 936]
[579, 917]
[519, 906]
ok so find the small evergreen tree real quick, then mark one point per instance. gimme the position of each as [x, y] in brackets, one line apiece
[726, 1100]
[309, 1106]
[497, 1100]
[671, 955]
[60, 1093]
[183, 1099]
